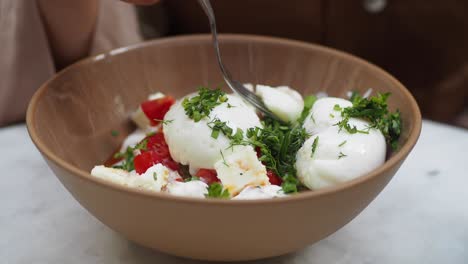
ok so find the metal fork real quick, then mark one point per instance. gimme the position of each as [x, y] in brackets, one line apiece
[235, 85]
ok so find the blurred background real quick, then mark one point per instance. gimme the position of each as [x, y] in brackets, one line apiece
[424, 43]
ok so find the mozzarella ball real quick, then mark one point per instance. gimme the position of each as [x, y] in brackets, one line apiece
[339, 156]
[283, 101]
[323, 115]
[190, 143]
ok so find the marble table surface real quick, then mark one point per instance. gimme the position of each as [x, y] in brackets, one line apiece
[421, 216]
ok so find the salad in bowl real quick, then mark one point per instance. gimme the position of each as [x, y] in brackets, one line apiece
[214, 144]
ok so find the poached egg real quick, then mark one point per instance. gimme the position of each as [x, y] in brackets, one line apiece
[190, 143]
[339, 156]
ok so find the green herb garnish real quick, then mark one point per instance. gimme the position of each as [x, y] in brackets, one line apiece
[224, 160]
[278, 145]
[128, 156]
[155, 176]
[163, 121]
[115, 133]
[375, 110]
[276, 142]
[312, 118]
[217, 127]
[308, 103]
[337, 107]
[341, 155]
[344, 124]
[200, 106]
[342, 143]
[314, 146]
[215, 190]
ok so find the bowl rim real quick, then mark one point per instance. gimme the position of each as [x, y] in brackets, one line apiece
[85, 175]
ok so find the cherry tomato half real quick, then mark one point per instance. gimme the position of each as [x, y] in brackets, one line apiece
[157, 109]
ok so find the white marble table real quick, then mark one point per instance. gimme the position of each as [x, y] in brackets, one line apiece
[421, 217]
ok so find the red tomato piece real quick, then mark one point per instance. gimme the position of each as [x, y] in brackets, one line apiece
[171, 164]
[274, 179]
[157, 151]
[157, 109]
[158, 144]
[143, 162]
[207, 175]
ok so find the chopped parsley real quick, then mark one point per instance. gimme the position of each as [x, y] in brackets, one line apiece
[128, 156]
[314, 146]
[344, 124]
[230, 105]
[155, 176]
[224, 160]
[312, 118]
[341, 155]
[337, 107]
[375, 110]
[200, 106]
[332, 115]
[278, 145]
[217, 127]
[308, 103]
[342, 143]
[215, 190]
[115, 133]
[164, 121]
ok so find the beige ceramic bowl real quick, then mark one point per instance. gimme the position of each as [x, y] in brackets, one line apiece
[71, 117]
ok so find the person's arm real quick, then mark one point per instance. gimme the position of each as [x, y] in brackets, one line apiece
[69, 25]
